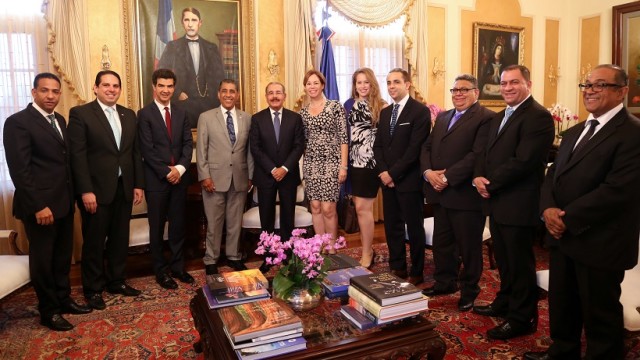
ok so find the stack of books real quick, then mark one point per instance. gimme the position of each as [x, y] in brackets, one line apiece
[336, 283]
[235, 287]
[377, 299]
[262, 329]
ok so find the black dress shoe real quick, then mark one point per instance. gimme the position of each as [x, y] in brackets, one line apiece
[434, 291]
[236, 265]
[211, 269]
[95, 302]
[56, 322]
[542, 355]
[72, 307]
[465, 304]
[402, 274]
[507, 330]
[166, 281]
[123, 289]
[184, 276]
[490, 310]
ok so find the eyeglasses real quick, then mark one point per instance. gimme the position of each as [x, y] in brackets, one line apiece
[597, 87]
[462, 91]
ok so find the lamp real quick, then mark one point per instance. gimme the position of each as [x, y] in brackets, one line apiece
[553, 75]
[437, 70]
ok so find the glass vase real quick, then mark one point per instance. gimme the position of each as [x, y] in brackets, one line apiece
[301, 299]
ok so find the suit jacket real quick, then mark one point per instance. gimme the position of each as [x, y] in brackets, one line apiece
[514, 163]
[39, 165]
[598, 190]
[95, 157]
[400, 154]
[269, 154]
[158, 150]
[456, 150]
[217, 158]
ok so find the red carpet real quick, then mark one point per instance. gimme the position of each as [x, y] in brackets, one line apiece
[158, 324]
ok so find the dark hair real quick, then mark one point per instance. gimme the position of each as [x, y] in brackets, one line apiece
[621, 77]
[467, 77]
[228, 81]
[405, 74]
[163, 74]
[106, 72]
[526, 74]
[45, 75]
[317, 73]
[191, 10]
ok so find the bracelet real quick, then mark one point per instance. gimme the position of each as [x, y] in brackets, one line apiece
[344, 167]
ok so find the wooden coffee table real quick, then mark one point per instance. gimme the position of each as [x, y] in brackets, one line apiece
[329, 336]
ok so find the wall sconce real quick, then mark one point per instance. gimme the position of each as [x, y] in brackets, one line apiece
[438, 69]
[584, 72]
[553, 75]
[272, 66]
[105, 62]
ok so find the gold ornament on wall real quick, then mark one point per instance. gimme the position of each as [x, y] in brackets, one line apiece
[105, 62]
[438, 69]
[272, 66]
[584, 72]
[553, 75]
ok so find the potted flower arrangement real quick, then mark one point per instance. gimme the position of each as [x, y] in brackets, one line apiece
[434, 110]
[564, 119]
[302, 265]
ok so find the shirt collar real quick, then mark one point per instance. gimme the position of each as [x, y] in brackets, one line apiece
[41, 111]
[160, 106]
[104, 107]
[604, 118]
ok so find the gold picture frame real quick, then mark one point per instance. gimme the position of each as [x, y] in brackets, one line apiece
[626, 49]
[494, 48]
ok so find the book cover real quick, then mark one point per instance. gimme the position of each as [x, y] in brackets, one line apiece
[392, 312]
[334, 295]
[258, 318]
[245, 296]
[385, 288]
[272, 349]
[237, 282]
[356, 318]
[214, 304]
[340, 261]
[387, 311]
[338, 280]
[284, 335]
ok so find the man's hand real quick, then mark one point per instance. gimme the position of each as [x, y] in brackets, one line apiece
[183, 96]
[437, 179]
[173, 176]
[279, 173]
[44, 217]
[554, 223]
[138, 195]
[481, 185]
[89, 202]
[386, 179]
[208, 185]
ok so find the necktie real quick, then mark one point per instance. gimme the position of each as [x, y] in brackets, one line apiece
[167, 120]
[507, 114]
[114, 125]
[394, 118]
[232, 133]
[586, 137]
[454, 120]
[52, 120]
[276, 125]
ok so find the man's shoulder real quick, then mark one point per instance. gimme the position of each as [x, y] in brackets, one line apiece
[125, 110]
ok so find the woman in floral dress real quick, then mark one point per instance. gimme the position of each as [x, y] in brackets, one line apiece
[325, 157]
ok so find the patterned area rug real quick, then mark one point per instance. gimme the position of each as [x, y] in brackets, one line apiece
[158, 324]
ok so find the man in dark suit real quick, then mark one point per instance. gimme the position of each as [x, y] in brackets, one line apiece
[108, 175]
[36, 147]
[447, 162]
[402, 130]
[508, 176]
[277, 143]
[591, 208]
[198, 65]
[166, 145]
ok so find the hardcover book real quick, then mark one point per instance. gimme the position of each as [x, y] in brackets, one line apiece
[338, 280]
[272, 349]
[259, 318]
[385, 288]
[340, 261]
[381, 315]
[237, 282]
[356, 318]
[212, 300]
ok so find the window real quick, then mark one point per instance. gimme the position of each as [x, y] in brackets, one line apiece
[380, 49]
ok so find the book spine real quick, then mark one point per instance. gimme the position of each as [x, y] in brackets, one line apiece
[362, 310]
[365, 301]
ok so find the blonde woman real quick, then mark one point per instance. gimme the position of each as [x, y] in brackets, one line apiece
[364, 110]
[325, 157]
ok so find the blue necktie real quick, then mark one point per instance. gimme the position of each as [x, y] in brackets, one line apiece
[276, 125]
[114, 125]
[507, 114]
[232, 133]
[394, 118]
[454, 120]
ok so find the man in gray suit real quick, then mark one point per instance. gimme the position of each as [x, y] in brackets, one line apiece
[225, 169]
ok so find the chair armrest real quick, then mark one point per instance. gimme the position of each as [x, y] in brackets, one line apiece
[12, 238]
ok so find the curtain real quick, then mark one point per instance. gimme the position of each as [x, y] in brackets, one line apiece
[298, 41]
[371, 12]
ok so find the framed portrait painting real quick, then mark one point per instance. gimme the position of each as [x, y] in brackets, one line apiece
[494, 48]
[626, 49]
[200, 40]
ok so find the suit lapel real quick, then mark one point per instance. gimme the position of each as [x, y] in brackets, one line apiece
[222, 121]
[512, 119]
[43, 122]
[104, 122]
[187, 58]
[403, 115]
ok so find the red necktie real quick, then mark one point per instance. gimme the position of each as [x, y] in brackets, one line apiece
[167, 119]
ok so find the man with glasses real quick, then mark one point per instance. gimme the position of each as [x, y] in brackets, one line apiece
[447, 162]
[508, 176]
[591, 207]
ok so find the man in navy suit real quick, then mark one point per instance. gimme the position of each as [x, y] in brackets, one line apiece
[108, 175]
[508, 176]
[197, 64]
[403, 128]
[277, 143]
[591, 206]
[36, 145]
[166, 145]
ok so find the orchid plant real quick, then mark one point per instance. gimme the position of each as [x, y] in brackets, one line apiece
[301, 262]
[563, 118]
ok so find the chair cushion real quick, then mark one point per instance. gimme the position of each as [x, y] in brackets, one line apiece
[542, 279]
[251, 218]
[139, 232]
[15, 273]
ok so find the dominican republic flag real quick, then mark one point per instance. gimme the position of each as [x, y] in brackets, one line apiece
[165, 29]
[328, 64]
